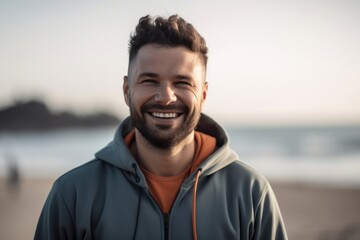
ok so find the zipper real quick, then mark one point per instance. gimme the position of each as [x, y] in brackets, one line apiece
[166, 226]
[166, 216]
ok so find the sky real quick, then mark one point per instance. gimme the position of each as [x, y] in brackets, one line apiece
[270, 62]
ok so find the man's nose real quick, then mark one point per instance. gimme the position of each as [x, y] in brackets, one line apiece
[165, 94]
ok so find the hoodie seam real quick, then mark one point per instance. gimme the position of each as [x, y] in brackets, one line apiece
[263, 194]
[65, 204]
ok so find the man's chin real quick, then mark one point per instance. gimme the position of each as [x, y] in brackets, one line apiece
[162, 137]
[162, 142]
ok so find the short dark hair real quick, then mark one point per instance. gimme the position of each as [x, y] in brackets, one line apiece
[173, 32]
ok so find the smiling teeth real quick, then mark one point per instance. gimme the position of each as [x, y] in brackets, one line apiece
[165, 115]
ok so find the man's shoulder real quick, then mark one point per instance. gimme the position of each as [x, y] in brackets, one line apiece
[84, 174]
[245, 169]
[245, 177]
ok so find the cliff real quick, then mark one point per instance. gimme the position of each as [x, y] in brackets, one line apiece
[35, 115]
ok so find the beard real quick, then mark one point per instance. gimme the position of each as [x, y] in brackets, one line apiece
[153, 134]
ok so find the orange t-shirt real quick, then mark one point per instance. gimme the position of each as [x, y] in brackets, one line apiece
[165, 189]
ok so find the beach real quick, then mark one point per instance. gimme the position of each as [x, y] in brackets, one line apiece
[311, 212]
[318, 212]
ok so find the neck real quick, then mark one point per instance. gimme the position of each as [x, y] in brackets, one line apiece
[164, 162]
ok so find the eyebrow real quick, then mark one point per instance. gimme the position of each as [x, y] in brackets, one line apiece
[155, 75]
[183, 77]
[148, 74]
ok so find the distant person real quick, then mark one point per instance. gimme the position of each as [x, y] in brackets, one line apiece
[169, 173]
[13, 174]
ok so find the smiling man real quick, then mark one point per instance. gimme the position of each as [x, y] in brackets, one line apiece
[169, 173]
[165, 92]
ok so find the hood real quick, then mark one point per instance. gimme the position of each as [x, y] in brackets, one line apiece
[117, 153]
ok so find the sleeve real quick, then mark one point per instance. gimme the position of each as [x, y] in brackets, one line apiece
[269, 224]
[55, 220]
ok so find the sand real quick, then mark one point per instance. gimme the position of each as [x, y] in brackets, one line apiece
[310, 212]
[317, 212]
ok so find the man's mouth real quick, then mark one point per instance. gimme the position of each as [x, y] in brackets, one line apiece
[165, 115]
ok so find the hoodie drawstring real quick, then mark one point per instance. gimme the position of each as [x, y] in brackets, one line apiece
[194, 204]
[137, 179]
[198, 173]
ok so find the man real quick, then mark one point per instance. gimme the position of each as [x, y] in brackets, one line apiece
[169, 173]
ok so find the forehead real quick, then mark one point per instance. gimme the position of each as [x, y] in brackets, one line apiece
[166, 60]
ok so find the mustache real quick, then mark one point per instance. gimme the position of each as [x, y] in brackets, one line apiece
[174, 107]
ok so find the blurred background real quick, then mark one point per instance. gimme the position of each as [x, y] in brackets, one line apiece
[284, 80]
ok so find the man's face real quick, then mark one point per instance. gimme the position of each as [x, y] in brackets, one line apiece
[165, 91]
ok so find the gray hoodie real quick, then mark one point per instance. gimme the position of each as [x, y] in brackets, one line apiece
[108, 198]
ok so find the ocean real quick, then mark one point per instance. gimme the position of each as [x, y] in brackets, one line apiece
[320, 155]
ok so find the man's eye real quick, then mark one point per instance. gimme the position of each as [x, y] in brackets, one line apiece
[148, 81]
[184, 83]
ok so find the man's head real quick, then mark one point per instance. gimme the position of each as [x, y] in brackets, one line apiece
[166, 87]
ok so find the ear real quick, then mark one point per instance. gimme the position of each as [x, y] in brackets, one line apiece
[126, 90]
[204, 93]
